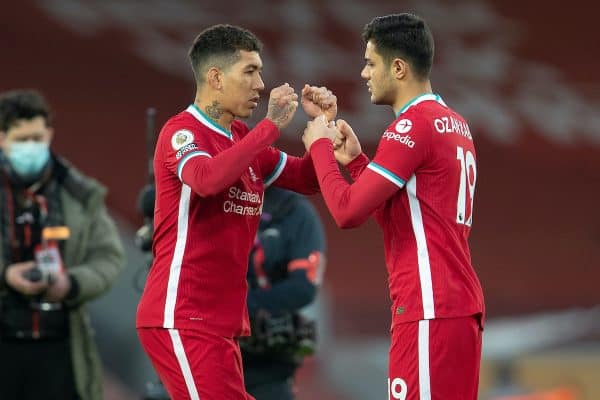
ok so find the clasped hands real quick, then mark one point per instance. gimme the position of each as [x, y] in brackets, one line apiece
[320, 104]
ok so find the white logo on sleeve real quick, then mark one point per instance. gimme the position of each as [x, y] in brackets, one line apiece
[404, 125]
[406, 139]
[181, 138]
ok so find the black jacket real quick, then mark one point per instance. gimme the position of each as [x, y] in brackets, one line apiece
[290, 232]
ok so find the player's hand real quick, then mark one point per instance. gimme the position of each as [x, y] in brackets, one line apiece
[319, 101]
[317, 129]
[283, 103]
[345, 145]
[58, 289]
[15, 279]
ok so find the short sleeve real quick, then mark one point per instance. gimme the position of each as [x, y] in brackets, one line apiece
[402, 148]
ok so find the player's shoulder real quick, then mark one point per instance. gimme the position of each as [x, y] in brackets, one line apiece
[434, 108]
[426, 113]
[406, 124]
[427, 107]
[181, 131]
[181, 121]
[444, 120]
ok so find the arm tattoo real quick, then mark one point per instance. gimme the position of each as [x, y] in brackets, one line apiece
[280, 114]
[214, 111]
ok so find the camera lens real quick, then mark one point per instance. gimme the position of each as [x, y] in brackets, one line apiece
[33, 274]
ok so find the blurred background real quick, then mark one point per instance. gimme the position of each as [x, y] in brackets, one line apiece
[523, 74]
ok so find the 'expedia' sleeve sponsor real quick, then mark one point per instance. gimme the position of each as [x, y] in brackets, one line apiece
[289, 172]
[402, 148]
[349, 204]
[208, 176]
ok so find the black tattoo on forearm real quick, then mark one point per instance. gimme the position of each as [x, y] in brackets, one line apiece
[214, 111]
[280, 114]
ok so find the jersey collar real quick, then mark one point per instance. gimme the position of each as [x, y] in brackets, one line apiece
[419, 99]
[206, 121]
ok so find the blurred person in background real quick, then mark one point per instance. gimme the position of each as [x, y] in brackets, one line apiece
[284, 272]
[420, 187]
[59, 249]
[210, 172]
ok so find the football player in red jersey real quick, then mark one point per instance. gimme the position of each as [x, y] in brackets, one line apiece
[420, 187]
[210, 173]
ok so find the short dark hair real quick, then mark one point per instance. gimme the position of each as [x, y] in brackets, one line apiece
[220, 45]
[403, 35]
[22, 104]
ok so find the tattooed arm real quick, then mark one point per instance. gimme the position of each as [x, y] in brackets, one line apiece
[282, 105]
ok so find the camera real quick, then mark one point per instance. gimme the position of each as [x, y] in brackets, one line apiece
[34, 274]
[306, 335]
[290, 334]
[37, 274]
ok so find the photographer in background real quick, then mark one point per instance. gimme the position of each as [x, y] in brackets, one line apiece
[58, 250]
[284, 272]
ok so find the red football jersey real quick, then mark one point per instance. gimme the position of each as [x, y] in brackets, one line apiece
[428, 151]
[201, 244]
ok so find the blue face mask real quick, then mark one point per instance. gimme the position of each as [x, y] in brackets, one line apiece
[27, 159]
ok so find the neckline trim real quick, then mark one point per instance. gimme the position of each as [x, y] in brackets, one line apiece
[419, 99]
[206, 121]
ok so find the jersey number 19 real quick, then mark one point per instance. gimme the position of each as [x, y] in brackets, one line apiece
[467, 163]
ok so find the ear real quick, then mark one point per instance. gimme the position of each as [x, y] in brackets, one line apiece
[214, 78]
[50, 134]
[399, 68]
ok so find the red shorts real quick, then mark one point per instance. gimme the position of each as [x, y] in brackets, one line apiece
[435, 359]
[195, 365]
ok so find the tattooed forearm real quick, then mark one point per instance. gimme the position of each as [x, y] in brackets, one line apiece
[280, 115]
[214, 111]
